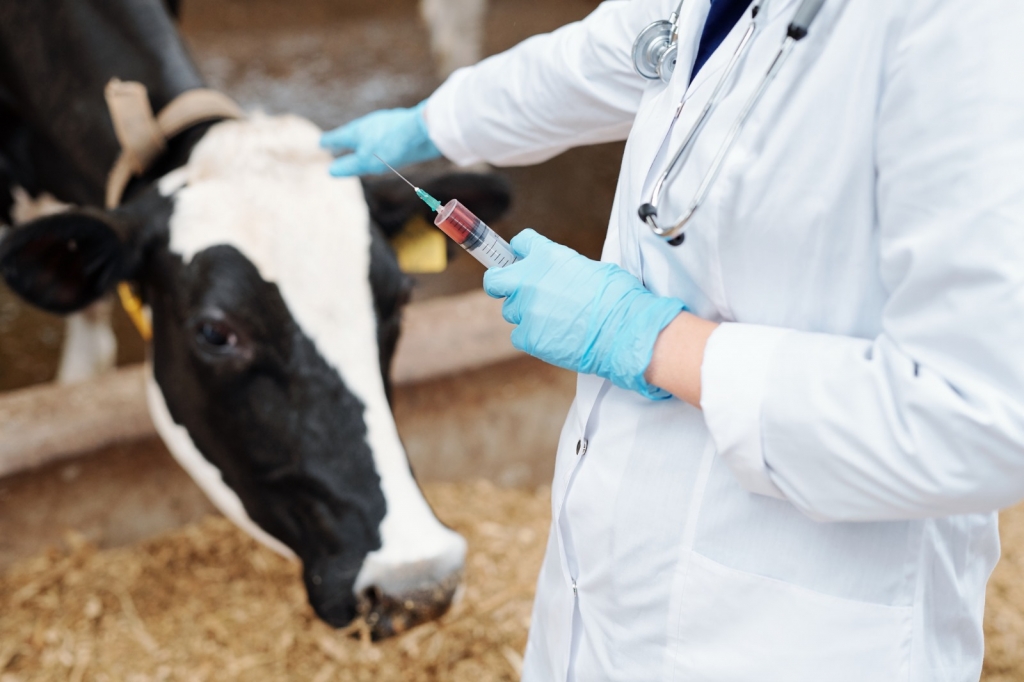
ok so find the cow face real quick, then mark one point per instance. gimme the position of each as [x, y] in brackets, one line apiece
[275, 311]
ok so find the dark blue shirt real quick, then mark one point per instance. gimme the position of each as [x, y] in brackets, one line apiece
[723, 16]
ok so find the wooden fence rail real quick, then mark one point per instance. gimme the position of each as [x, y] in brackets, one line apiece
[44, 424]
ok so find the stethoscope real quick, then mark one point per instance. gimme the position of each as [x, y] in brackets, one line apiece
[654, 58]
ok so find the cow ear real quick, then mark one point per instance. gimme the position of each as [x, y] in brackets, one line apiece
[64, 262]
[487, 195]
[392, 203]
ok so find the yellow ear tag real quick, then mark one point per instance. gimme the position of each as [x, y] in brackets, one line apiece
[420, 247]
[133, 306]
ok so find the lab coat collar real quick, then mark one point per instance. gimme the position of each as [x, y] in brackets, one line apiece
[720, 57]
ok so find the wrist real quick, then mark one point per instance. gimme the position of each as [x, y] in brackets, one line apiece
[678, 355]
[428, 148]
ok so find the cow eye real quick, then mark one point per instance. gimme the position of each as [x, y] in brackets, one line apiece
[217, 334]
[216, 337]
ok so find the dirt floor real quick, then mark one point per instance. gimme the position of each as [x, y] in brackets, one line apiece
[1004, 610]
[207, 603]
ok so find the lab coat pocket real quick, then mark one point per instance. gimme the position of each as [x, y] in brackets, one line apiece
[735, 626]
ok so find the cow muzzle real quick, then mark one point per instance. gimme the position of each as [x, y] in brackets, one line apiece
[387, 614]
[391, 594]
[395, 593]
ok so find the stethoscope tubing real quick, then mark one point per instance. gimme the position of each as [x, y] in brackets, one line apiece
[687, 145]
[674, 20]
[648, 211]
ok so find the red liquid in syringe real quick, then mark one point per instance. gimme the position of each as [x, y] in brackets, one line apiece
[472, 234]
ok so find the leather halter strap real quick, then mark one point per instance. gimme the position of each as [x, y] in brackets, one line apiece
[143, 136]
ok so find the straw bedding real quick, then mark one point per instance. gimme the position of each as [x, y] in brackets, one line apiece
[206, 603]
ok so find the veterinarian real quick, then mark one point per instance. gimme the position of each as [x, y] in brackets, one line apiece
[801, 356]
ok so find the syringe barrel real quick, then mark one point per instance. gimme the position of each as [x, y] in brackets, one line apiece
[472, 234]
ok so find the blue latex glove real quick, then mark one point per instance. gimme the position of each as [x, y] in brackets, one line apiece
[399, 136]
[580, 314]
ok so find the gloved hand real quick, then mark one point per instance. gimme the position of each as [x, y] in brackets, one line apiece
[399, 136]
[580, 314]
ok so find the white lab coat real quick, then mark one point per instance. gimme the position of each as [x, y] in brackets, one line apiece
[829, 515]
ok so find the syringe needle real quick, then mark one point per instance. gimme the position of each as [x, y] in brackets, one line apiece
[430, 201]
[466, 229]
[395, 172]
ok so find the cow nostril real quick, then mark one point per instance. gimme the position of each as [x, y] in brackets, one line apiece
[390, 614]
[370, 599]
[373, 594]
[375, 610]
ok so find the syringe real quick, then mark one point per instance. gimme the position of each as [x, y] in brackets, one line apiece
[468, 231]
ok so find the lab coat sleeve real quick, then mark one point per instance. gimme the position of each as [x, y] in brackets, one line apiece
[575, 86]
[927, 419]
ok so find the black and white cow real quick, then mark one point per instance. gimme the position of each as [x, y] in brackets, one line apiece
[275, 300]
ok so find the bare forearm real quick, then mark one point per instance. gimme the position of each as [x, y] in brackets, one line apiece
[678, 355]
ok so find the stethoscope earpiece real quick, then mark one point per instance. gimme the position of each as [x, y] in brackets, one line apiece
[648, 210]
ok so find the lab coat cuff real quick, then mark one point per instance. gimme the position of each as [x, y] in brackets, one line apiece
[734, 378]
[441, 115]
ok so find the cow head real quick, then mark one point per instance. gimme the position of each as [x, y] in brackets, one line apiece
[275, 304]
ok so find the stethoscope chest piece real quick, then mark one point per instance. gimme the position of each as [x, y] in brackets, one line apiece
[654, 51]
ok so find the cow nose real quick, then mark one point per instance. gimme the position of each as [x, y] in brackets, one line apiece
[401, 594]
[389, 614]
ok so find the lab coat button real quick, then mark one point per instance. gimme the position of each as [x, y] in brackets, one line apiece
[581, 446]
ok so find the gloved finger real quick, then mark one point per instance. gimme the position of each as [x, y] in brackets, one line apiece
[502, 282]
[520, 339]
[525, 241]
[343, 137]
[511, 311]
[355, 164]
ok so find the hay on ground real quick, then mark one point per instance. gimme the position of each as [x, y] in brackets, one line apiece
[207, 603]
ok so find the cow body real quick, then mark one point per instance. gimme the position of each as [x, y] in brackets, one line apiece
[275, 300]
[456, 32]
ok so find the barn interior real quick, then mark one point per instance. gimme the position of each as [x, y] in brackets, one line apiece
[114, 565]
